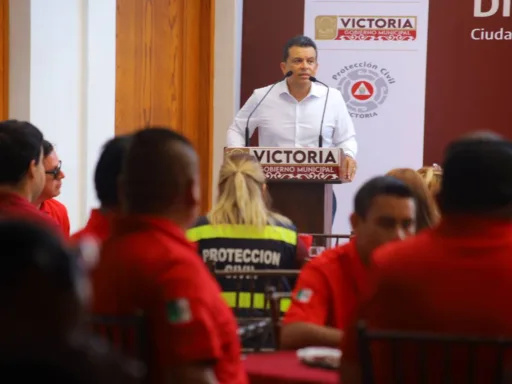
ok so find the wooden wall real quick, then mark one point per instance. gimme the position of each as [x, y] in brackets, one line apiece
[4, 59]
[164, 71]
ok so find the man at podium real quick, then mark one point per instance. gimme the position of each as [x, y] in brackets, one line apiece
[298, 111]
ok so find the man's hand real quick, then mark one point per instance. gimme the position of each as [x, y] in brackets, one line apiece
[348, 169]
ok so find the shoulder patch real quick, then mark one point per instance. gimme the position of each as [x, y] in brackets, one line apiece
[178, 311]
[304, 295]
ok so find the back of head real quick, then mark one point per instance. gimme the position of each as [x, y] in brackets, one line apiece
[477, 176]
[20, 144]
[379, 186]
[38, 275]
[108, 170]
[160, 173]
[427, 215]
[242, 199]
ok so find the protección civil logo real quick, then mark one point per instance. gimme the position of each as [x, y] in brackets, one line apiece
[365, 88]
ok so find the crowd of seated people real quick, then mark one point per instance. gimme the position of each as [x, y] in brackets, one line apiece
[429, 252]
[452, 279]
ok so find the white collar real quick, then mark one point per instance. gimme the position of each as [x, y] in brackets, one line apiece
[317, 90]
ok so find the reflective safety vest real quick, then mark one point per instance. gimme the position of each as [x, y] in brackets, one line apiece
[241, 248]
[242, 300]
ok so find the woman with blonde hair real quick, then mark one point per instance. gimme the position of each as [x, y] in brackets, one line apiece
[243, 197]
[432, 176]
[241, 233]
[427, 214]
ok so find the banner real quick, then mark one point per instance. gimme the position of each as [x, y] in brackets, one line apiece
[311, 164]
[468, 71]
[375, 55]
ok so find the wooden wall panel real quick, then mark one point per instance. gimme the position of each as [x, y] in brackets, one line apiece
[164, 71]
[4, 59]
[264, 35]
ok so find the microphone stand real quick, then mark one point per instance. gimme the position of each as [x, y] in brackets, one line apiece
[288, 74]
[320, 137]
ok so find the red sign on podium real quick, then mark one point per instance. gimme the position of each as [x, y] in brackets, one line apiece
[308, 164]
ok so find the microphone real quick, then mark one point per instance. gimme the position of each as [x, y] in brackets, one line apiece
[320, 138]
[288, 74]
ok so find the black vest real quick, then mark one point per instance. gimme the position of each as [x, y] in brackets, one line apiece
[245, 248]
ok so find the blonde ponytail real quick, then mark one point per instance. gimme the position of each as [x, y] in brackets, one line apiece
[241, 199]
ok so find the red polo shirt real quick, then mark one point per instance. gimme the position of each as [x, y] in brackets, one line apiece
[98, 226]
[328, 288]
[148, 264]
[18, 207]
[58, 212]
[453, 279]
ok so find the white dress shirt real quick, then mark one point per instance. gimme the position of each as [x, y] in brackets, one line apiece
[283, 121]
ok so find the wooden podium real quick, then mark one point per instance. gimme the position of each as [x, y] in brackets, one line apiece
[300, 183]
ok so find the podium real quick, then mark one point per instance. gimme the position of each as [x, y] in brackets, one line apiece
[300, 183]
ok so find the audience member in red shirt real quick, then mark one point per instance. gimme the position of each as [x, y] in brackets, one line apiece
[106, 178]
[22, 174]
[454, 278]
[53, 183]
[147, 264]
[58, 212]
[330, 285]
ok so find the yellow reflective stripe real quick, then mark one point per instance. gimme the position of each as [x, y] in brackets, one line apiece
[285, 304]
[269, 232]
[258, 300]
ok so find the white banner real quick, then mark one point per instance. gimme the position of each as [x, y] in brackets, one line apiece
[375, 54]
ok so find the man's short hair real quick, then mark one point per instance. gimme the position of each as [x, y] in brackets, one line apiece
[379, 186]
[108, 170]
[158, 164]
[20, 143]
[477, 175]
[298, 41]
[47, 148]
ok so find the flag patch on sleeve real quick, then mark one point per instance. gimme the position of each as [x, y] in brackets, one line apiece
[178, 311]
[304, 295]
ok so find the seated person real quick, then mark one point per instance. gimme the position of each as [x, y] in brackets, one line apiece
[452, 279]
[106, 175]
[53, 183]
[330, 285]
[148, 265]
[241, 233]
[22, 173]
[43, 294]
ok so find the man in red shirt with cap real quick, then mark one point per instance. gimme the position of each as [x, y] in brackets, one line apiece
[106, 177]
[453, 279]
[22, 173]
[148, 265]
[329, 286]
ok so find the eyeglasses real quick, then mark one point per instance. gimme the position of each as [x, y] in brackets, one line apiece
[56, 171]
